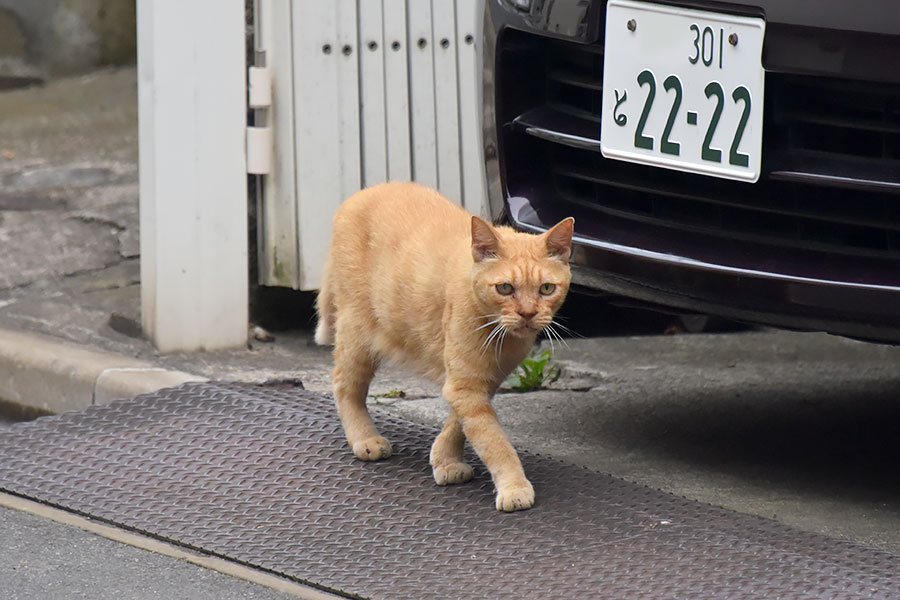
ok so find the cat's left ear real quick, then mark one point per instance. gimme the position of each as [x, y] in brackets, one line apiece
[559, 239]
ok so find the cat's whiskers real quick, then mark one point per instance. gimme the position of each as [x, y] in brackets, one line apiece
[488, 324]
[550, 339]
[552, 332]
[499, 350]
[482, 317]
[556, 322]
[498, 330]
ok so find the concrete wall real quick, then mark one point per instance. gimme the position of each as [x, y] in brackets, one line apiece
[58, 37]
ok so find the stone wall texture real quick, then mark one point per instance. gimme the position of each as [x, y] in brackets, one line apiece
[60, 37]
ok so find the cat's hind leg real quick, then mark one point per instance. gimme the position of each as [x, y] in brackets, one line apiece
[353, 370]
[447, 461]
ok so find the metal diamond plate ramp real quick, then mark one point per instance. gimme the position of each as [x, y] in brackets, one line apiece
[261, 475]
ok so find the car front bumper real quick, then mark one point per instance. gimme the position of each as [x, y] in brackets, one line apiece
[641, 233]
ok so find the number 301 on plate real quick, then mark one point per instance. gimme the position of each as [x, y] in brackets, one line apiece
[683, 89]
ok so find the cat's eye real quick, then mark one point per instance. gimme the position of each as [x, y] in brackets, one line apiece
[504, 289]
[547, 288]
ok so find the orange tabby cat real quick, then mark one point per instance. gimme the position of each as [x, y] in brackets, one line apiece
[414, 279]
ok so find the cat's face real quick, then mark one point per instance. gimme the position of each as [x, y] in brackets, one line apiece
[520, 279]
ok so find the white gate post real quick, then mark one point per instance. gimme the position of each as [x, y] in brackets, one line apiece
[193, 183]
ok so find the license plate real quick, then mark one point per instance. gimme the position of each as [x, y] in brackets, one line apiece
[683, 89]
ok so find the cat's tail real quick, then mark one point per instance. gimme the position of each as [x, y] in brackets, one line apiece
[325, 307]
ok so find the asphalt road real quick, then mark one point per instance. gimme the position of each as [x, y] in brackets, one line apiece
[42, 559]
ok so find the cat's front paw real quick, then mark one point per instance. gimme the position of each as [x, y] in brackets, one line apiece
[519, 496]
[458, 472]
[373, 448]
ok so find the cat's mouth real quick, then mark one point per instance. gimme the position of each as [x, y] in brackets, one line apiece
[525, 329]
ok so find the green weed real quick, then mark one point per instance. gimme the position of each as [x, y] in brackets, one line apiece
[533, 373]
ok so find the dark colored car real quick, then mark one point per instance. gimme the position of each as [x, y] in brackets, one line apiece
[790, 219]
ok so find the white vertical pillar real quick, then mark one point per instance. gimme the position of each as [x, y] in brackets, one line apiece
[193, 185]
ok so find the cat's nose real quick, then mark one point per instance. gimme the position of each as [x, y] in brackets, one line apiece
[527, 315]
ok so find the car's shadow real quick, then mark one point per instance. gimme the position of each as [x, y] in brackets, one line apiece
[841, 441]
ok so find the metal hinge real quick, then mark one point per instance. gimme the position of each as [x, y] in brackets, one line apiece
[259, 136]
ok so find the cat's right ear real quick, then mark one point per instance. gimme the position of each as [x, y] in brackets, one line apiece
[485, 244]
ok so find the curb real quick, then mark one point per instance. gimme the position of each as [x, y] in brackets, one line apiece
[47, 375]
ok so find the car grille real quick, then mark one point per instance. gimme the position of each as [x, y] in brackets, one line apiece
[830, 180]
